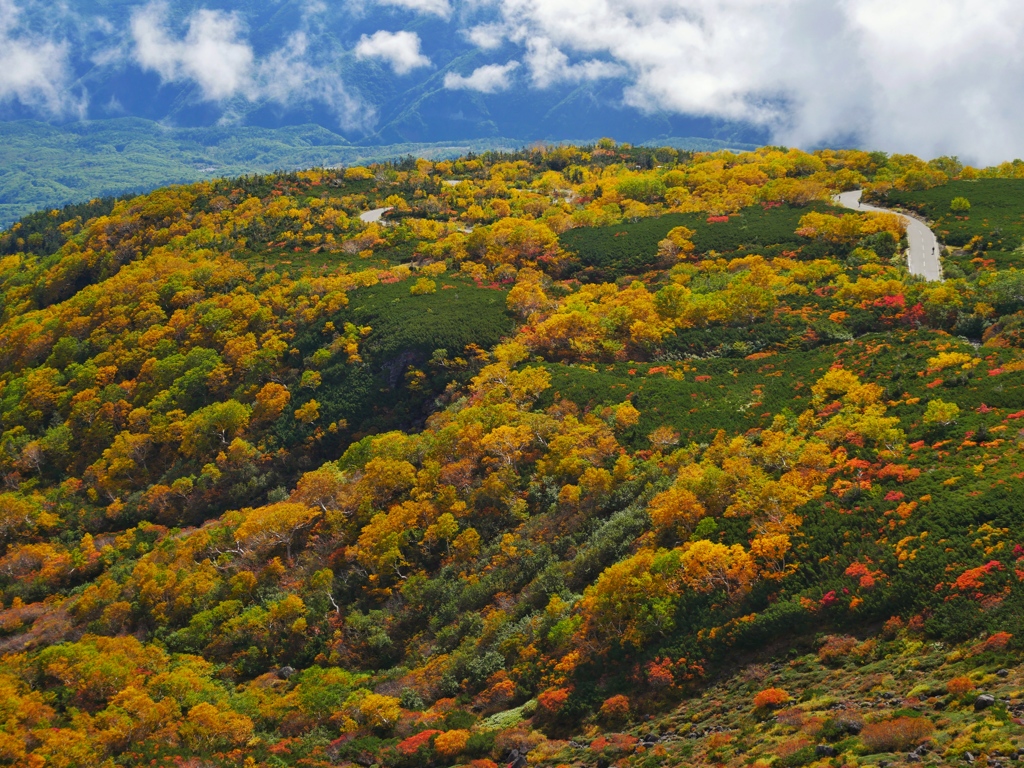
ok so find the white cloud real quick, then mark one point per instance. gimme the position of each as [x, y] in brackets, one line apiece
[34, 70]
[549, 66]
[285, 72]
[286, 77]
[489, 78]
[437, 7]
[313, 8]
[400, 49]
[924, 76]
[486, 36]
[212, 54]
[215, 55]
[104, 25]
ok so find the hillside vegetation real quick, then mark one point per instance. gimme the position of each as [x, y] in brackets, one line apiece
[588, 455]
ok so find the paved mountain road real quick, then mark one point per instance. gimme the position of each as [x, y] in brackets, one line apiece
[924, 246]
[371, 216]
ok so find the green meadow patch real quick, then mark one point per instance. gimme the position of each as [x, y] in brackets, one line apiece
[632, 248]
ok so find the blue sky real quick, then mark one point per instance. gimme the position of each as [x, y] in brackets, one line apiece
[924, 76]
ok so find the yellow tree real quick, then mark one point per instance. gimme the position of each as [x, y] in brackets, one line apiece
[379, 712]
[631, 601]
[271, 526]
[677, 511]
[321, 489]
[209, 727]
[707, 566]
[941, 413]
[507, 443]
[677, 245]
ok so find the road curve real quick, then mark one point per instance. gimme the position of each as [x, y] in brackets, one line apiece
[371, 216]
[924, 259]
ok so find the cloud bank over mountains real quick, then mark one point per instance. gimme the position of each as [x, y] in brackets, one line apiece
[925, 76]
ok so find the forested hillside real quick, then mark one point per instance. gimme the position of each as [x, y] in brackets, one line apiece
[580, 456]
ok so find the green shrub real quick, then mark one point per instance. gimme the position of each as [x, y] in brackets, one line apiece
[458, 719]
[642, 188]
[803, 756]
[480, 744]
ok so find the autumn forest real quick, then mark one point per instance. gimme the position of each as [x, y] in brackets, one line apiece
[578, 456]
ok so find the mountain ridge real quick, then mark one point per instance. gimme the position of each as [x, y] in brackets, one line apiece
[47, 166]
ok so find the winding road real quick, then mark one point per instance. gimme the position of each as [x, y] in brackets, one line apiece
[924, 246]
[371, 216]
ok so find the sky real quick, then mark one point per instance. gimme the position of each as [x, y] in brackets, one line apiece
[930, 77]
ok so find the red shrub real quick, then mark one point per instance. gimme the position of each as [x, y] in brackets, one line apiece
[614, 743]
[718, 740]
[554, 699]
[790, 748]
[771, 698]
[413, 744]
[897, 735]
[498, 695]
[836, 648]
[792, 717]
[973, 578]
[659, 673]
[996, 642]
[892, 627]
[958, 686]
[615, 708]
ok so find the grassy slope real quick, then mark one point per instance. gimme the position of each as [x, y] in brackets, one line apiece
[374, 397]
[848, 685]
[735, 394]
[741, 394]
